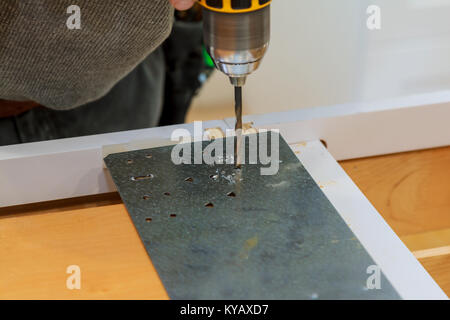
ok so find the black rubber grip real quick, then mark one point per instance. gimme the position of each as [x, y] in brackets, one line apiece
[215, 3]
[241, 4]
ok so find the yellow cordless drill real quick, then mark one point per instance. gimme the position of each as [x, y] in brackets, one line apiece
[236, 35]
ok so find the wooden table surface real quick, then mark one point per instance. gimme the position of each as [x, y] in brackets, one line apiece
[412, 192]
[39, 242]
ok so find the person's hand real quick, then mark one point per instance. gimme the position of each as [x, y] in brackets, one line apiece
[182, 4]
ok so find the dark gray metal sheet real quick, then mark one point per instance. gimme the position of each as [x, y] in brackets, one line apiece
[278, 238]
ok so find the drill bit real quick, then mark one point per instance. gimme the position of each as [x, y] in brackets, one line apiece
[238, 127]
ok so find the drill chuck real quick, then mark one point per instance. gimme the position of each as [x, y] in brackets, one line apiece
[236, 35]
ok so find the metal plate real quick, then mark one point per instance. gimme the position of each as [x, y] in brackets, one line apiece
[278, 237]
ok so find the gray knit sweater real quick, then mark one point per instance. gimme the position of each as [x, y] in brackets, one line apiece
[42, 60]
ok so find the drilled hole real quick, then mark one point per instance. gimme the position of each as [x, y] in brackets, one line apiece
[138, 178]
[214, 177]
[167, 193]
[189, 179]
[146, 197]
[148, 219]
[231, 194]
[173, 215]
[209, 205]
[130, 161]
[148, 156]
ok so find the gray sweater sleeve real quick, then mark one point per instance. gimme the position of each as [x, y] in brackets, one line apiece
[42, 60]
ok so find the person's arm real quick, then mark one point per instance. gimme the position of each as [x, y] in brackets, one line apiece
[182, 4]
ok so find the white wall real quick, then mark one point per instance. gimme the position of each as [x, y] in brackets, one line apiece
[322, 53]
[411, 54]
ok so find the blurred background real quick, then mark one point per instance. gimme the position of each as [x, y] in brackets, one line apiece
[322, 53]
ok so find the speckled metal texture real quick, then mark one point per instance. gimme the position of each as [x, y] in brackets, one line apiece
[214, 235]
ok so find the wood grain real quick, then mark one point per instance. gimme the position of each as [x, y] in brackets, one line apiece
[427, 240]
[38, 242]
[439, 268]
[410, 190]
[36, 249]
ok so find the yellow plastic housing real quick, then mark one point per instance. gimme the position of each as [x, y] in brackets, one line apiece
[227, 8]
